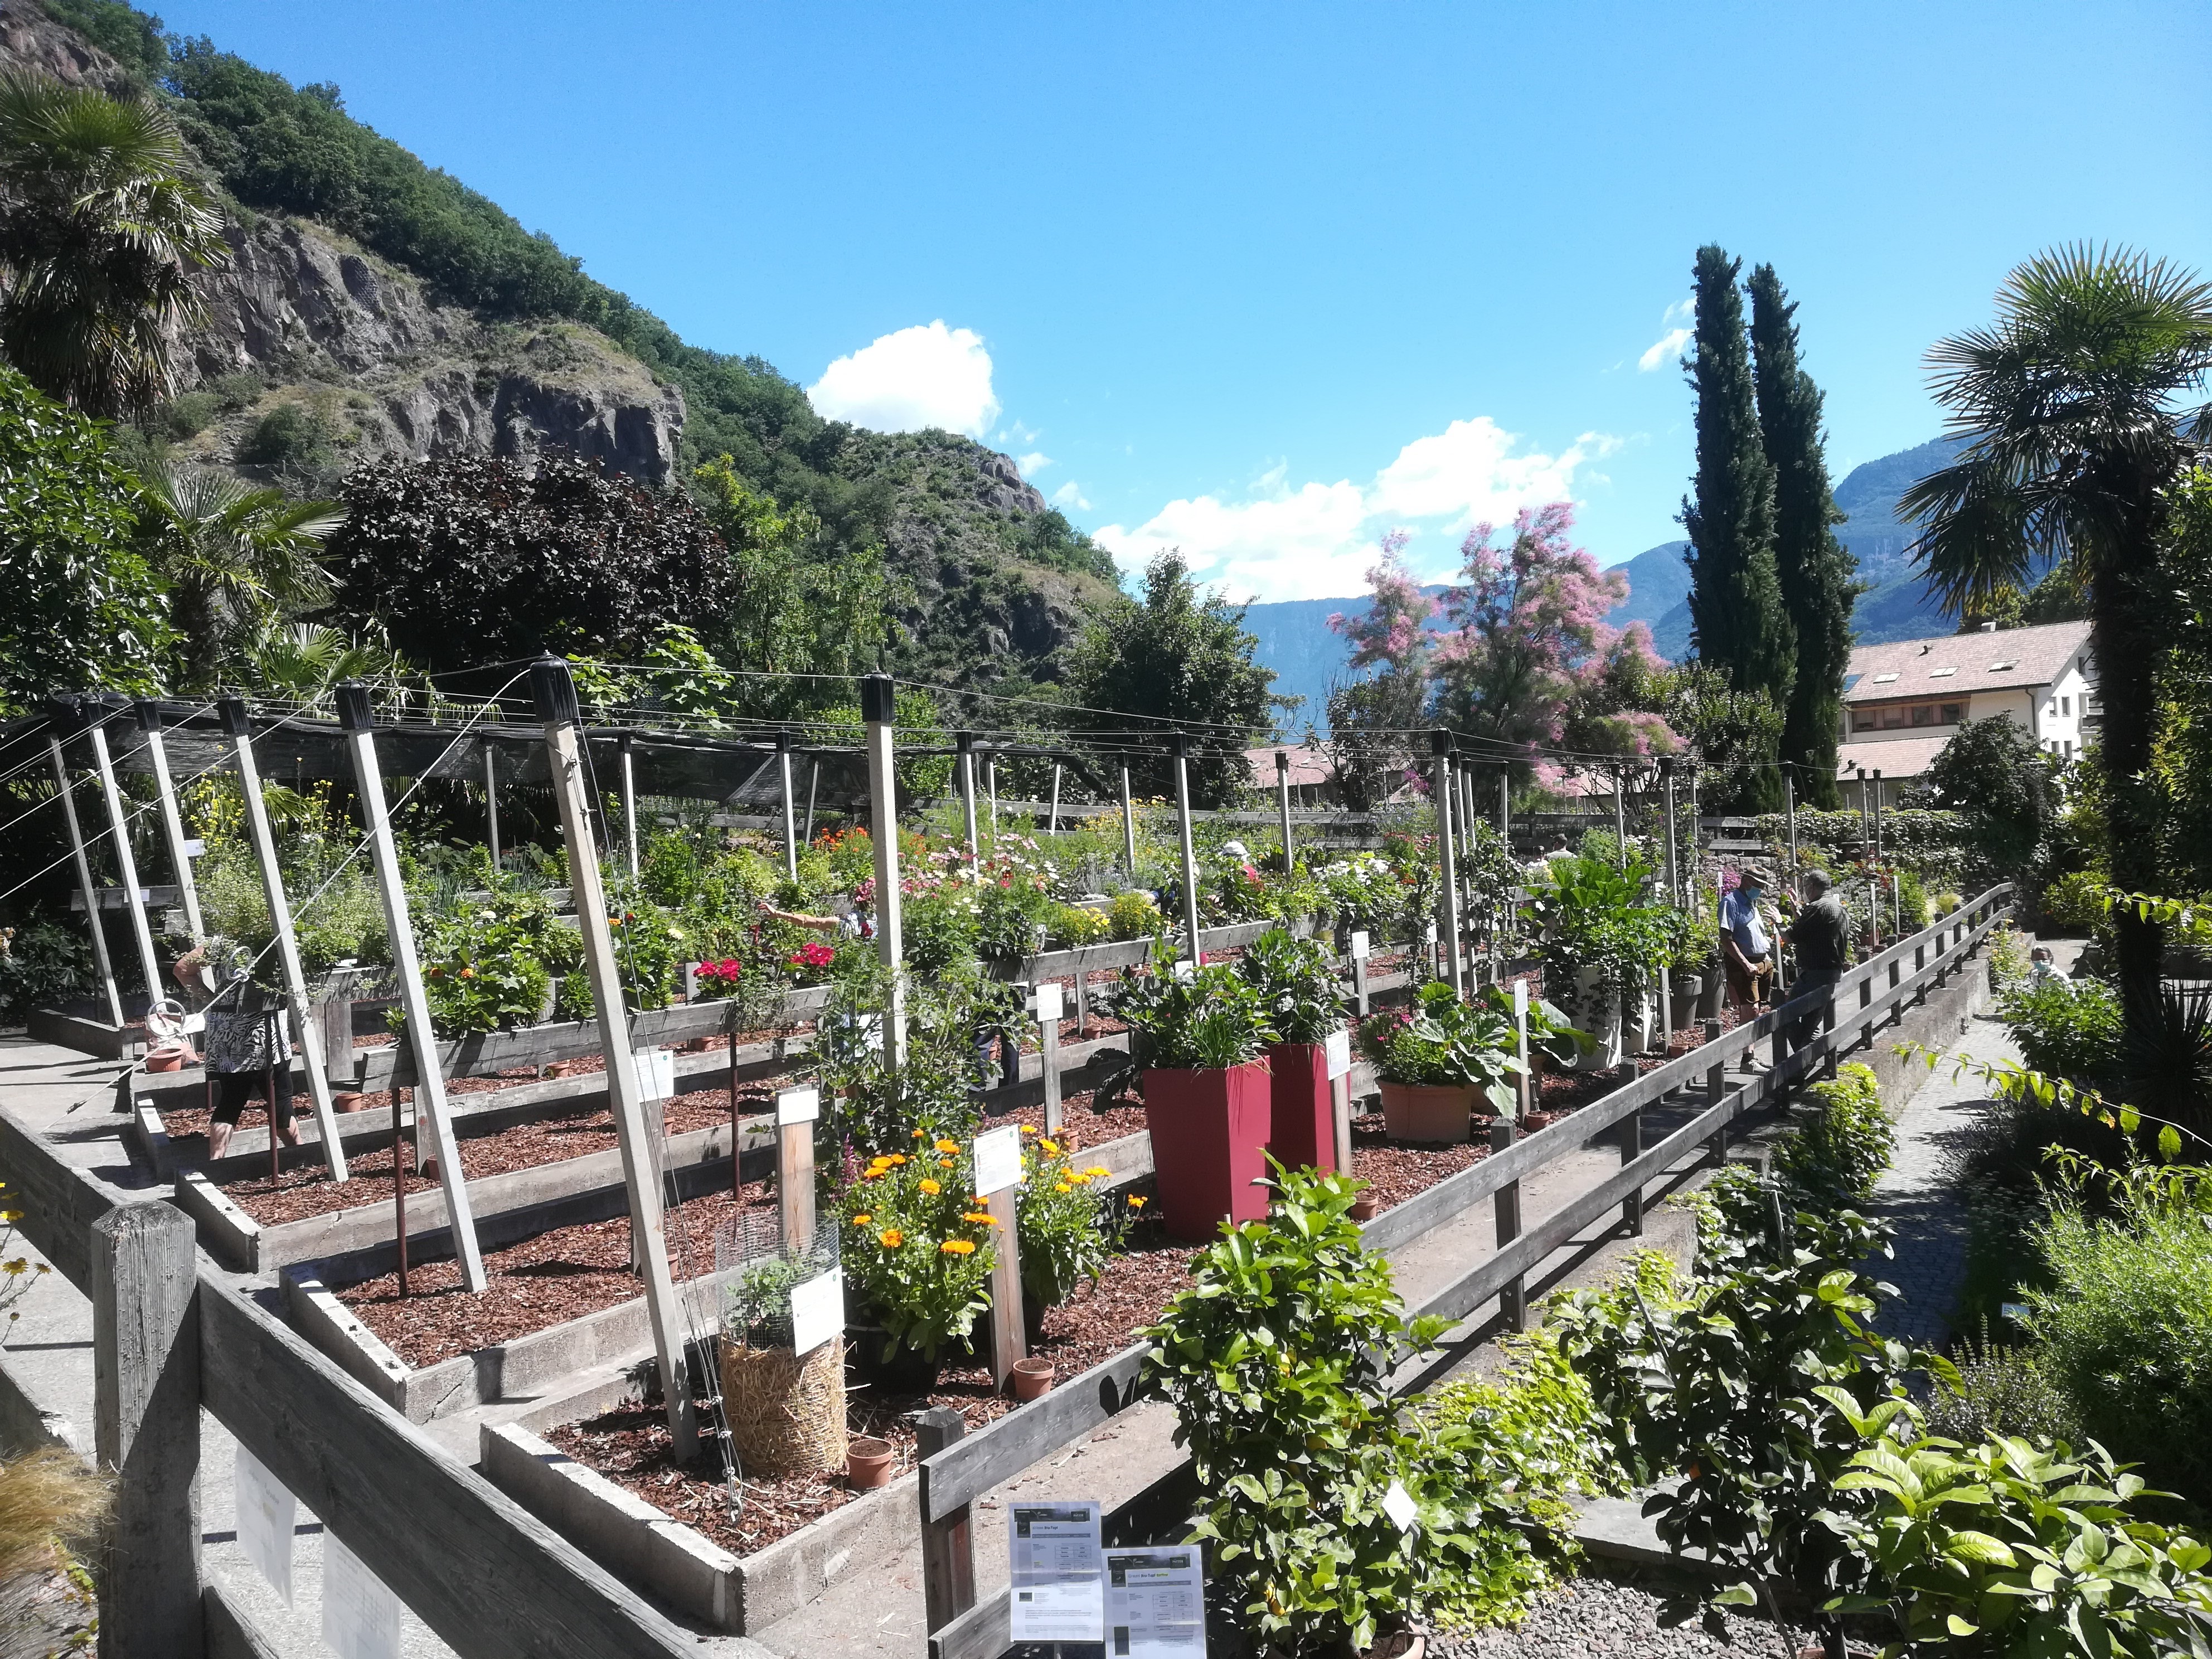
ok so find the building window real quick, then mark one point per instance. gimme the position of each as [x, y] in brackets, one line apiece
[1951, 714]
[2066, 706]
[1862, 719]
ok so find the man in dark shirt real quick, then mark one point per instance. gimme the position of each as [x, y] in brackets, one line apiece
[1821, 936]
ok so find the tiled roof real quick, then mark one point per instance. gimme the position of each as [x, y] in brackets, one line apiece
[1308, 766]
[1894, 757]
[1958, 663]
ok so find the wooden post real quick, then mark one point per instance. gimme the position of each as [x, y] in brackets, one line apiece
[879, 709]
[1052, 822]
[99, 957]
[1789, 822]
[1128, 825]
[1505, 806]
[1359, 948]
[1047, 1004]
[1620, 817]
[491, 804]
[146, 1429]
[796, 1112]
[813, 778]
[399, 1185]
[172, 820]
[964, 744]
[1189, 854]
[948, 1565]
[990, 778]
[1631, 1148]
[1506, 1203]
[119, 823]
[312, 1057]
[790, 812]
[1440, 791]
[1673, 864]
[359, 725]
[997, 1169]
[555, 693]
[1717, 1090]
[1283, 803]
[628, 809]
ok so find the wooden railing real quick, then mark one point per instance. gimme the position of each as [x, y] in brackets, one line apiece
[957, 1468]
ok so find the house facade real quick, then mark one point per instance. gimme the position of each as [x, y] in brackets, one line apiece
[1903, 700]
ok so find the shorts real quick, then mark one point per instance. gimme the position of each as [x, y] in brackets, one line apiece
[236, 1090]
[1743, 987]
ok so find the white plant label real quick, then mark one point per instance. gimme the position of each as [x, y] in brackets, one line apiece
[1155, 1603]
[1521, 999]
[361, 1617]
[798, 1105]
[1360, 947]
[1432, 934]
[1338, 1050]
[1057, 1594]
[818, 1310]
[266, 1513]
[1398, 1504]
[997, 1160]
[195, 848]
[656, 1073]
[1186, 970]
[1047, 1004]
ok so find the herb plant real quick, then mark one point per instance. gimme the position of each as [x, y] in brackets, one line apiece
[918, 1246]
[1068, 1228]
[1211, 1021]
[1296, 986]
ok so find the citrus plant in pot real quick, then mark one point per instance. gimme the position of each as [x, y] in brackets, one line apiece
[1200, 1041]
[1297, 987]
[1440, 1063]
[1602, 935]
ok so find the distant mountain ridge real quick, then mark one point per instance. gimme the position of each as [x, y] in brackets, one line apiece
[1296, 641]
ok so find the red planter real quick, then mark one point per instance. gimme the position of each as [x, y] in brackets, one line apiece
[1304, 1132]
[1209, 1133]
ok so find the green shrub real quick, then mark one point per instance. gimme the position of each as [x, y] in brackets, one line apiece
[2126, 1327]
[41, 964]
[491, 967]
[1134, 916]
[1836, 1157]
[1208, 1022]
[1438, 1039]
[1297, 985]
[1079, 924]
[190, 414]
[934, 934]
[2074, 1030]
[1069, 1228]
[2002, 1389]
[291, 435]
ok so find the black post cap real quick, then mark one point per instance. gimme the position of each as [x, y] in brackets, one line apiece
[879, 700]
[355, 713]
[783, 743]
[235, 719]
[66, 715]
[554, 690]
[1179, 746]
[1440, 742]
[965, 742]
[1666, 766]
[1282, 760]
[148, 713]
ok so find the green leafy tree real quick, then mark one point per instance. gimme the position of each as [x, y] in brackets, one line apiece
[2081, 408]
[101, 235]
[1737, 620]
[1736, 736]
[1993, 775]
[235, 560]
[472, 560]
[84, 610]
[1179, 658]
[1815, 571]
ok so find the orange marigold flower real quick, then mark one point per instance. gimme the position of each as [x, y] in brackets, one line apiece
[862, 1220]
[948, 1145]
[958, 1247]
[891, 1238]
[1136, 1203]
[1097, 1170]
[898, 1158]
[980, 1218]
[917, 1135]
[944, 1163]
[931, 1187]
[1062, 1187]
[1027, 1130]
[1050, 1147]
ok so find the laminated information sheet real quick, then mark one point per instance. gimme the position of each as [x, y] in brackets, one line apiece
[1055, 1553]
[997, 1160]
[361, 1617]
[266, 1513]
[1155, 1603]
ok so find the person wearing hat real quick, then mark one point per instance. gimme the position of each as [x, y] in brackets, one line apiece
[1820, 937]
[1747, 948]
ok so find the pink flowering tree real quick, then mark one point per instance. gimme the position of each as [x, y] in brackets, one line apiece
[1392, 652]
[1526, 657]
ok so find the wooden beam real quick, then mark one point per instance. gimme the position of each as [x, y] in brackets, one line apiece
[879, 711]
[99, 956]
[119, 823]
[173, 822]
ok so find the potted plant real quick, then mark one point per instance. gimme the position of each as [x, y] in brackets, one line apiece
[1200, 1040]
[1069, 1231]
[1600, 935]
[917, 1252]
[1440, 1063]
[1297, 987]
[1555, 1042]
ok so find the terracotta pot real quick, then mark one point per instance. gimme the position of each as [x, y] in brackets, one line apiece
[1427, 1111]
[1398, 1644]
[869, 1463]
[1032, 1377]
[1364, 1206]
[166, 1060]
[346, 1100]
[1209, 1131]
[1302, 1132]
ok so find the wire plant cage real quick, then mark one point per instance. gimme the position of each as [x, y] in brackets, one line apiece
[786, 1410]
[759, 1273]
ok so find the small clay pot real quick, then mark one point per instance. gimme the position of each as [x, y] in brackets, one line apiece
[1364, 1208]
[692, 1046]
[166, 1060]
[869, 1463]
[1032, 1377]
[1398, 1644]
[346, 1100]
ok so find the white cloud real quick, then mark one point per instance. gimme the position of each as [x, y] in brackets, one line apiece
[1683, 310]
[1033, 463]
[919, 377]
[1663, 350]
[1318, 540]
[1070, 495]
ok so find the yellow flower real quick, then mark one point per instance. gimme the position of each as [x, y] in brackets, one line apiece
[862, 1220]
[1097, 1170]
[898, 1158]
[1049, 1147]
[980, 1218]
[891, 1239]
[1027, 1130]
[958, 1247]
[944, 1163]
[1062, 1187]
[1136, 1203]
[931, 1187]
[918, 1134]
[1075, 1180]
[948, 1145]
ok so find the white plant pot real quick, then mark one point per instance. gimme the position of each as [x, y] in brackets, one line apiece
[1642, 1026]
[1596, 1011]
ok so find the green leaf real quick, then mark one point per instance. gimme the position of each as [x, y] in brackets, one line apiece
[2169, 1144]
[1736, 1596]
[1959, 1626]
[1980, 1548]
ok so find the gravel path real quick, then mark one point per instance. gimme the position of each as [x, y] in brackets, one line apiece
[1605, 1614]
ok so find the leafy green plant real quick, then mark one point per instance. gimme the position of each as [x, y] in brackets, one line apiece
[41, 962]
[1209, 1021]
[2005, 1547]
[757, 1309]
[1438, 1039]
[1277, 1360]
[2004, 1388]
[1835, 1157]
[1550, 1033]
[2073, 1030]
[1596, 917]
[932, 1095]
[491, 967]
[918, 1246]
[1080, 923]
[1296, 986]
[1134, 914]
[1068, 1228]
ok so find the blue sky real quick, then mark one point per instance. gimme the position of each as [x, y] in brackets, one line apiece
[1265, 280]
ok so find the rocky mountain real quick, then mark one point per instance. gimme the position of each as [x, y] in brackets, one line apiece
[351, 332]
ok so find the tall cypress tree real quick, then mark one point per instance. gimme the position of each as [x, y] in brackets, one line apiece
[1817, 572]
[1737, 620]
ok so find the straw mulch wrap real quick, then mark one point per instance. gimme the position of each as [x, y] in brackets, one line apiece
[786, 1411]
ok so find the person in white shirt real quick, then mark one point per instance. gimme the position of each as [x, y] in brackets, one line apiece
[1747, 948]
[2042, 969]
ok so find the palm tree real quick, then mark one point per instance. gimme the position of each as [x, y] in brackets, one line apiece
[101, 236]
[232, 557]
[2079, 404]
[307, 662]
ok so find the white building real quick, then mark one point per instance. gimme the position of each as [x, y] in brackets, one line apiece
[1903, 701]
